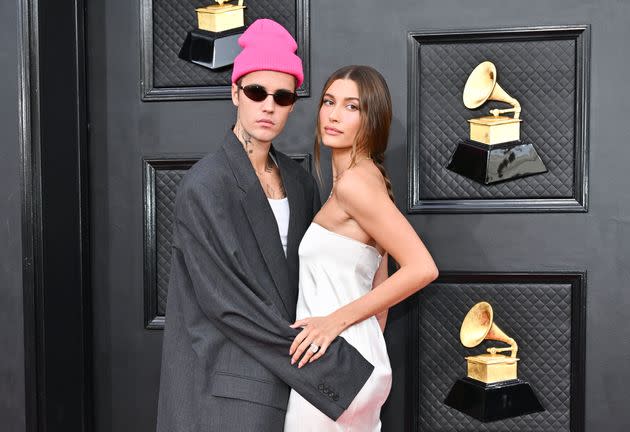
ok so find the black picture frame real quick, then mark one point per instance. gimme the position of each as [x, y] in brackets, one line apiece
[152, 93]
[578, 202]
[578, 282]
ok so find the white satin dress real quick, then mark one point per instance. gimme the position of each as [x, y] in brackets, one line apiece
[334, 271]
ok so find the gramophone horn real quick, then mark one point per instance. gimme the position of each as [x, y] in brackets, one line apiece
[478, 325]
[482, 86]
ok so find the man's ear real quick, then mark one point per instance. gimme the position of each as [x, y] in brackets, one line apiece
[235, 94]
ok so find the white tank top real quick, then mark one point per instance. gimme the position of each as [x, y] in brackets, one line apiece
[280, 208]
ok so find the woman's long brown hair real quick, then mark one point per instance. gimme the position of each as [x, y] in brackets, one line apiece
[375, 109]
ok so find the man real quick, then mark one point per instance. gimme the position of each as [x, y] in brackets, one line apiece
[233, 289]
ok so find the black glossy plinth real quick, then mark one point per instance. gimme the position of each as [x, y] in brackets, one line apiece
[210, 49]
[491, 402]
[495, 163]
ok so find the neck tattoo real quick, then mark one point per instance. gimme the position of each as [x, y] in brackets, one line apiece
[245, 137]
[273, 191]
[268, 167]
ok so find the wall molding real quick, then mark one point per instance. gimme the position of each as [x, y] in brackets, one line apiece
[152, 93]
[578, 202]
[152, 165]
[577, 281]
[57, 328]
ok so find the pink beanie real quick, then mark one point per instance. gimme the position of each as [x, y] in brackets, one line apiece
[267, 46]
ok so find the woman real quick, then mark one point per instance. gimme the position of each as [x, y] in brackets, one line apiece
[344, 289]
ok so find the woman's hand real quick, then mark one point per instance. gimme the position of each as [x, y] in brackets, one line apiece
[316, 331]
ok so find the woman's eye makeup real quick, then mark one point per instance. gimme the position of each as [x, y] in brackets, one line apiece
[350, 106]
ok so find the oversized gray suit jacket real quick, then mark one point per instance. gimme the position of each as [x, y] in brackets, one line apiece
[231, 298]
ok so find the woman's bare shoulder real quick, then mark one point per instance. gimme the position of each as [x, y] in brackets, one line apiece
[359, 183]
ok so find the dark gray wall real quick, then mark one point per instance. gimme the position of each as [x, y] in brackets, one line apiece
[12, 401]
[124, 129]
[596, 241]
[374, 33]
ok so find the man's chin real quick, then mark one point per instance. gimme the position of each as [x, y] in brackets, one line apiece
[265, 135]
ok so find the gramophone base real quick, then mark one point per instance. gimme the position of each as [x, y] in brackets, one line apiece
[492, 368]
[210, 49]
[491, 402]
[495, 163]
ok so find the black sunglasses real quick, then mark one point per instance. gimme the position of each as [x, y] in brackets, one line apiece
[258, 93]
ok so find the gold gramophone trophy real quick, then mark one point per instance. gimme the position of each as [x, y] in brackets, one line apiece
[494, 152]
[214, 43]
[492, 390]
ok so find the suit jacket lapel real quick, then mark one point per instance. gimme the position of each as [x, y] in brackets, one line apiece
[261, 219]
[296, 223]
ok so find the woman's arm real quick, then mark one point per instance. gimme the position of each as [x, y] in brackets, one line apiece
[363, 196]
[379, 278]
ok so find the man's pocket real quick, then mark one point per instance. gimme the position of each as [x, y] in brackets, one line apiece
[251, 389]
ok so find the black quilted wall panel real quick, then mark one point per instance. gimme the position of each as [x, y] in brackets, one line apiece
[171, 21]
[543, 84]
[164, 28]
[536, 313]
[541, 73]
[162, 178]
[166, 184]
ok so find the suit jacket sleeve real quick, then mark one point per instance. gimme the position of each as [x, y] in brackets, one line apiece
[232, 300]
